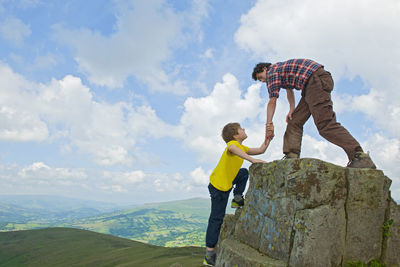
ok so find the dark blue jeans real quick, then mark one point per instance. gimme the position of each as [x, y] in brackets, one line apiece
[219, 199]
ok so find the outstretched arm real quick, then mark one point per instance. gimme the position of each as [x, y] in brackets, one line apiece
[237, 151]
[259, 150]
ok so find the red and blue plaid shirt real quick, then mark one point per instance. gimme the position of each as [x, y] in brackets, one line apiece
[291, 74]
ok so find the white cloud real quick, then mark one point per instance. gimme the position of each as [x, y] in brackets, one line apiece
[385, 152]
[109, 60]
[139, 182]
[199, 176]
[66, 109]
[132, 177]
[19, 125]
[40, 173]
[14, 30]
[145, 35]
[145, 122]
[341, 34]
[155, 185]
[380, 107]
[376, 106]
[19, 122]
[169, 183]
[41, 178]
[204, 117]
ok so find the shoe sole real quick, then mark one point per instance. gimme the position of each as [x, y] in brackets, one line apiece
[235, 206]
[371, 168]
[368, 165]
[363, 161]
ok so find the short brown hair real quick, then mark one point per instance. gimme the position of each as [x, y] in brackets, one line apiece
[259, 68]
[229, 131]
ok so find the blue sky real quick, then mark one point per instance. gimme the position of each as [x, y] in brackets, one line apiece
[124, 101]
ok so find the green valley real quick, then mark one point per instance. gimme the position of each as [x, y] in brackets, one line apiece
[171, 224]
[176, 223]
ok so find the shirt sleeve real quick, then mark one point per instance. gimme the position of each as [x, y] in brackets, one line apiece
[273, 85]
[241, 147]
[246, 149]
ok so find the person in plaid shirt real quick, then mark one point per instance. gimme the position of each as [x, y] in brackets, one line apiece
[316, 85]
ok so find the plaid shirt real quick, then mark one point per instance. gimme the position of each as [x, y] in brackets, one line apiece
[291, 74]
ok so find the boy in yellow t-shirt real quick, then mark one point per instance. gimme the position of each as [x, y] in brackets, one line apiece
[228, 173]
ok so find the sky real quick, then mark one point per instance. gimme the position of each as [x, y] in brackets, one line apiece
[124, 101]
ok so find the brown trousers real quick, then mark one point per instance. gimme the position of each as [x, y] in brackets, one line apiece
[318, 103]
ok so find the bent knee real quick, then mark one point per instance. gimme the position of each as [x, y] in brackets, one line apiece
[294, 124]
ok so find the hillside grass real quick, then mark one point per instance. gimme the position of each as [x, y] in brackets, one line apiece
[75, 247]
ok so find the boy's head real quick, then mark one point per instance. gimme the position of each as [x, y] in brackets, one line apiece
[258, 71]
[233, 131]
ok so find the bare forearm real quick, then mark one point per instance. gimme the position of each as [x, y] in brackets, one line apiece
[271, 109]
[290, 97]
[235, 150]
[244, 155]
[258, 150]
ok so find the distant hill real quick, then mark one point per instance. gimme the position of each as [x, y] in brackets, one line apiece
[54, 203]
[42, 209]
[75, 247]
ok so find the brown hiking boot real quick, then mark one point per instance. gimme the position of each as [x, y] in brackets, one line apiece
[361, 160]
[291, 155]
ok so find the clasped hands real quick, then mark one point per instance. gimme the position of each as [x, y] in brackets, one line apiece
[269, 131]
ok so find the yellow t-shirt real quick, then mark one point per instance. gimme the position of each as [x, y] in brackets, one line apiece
[227, 168]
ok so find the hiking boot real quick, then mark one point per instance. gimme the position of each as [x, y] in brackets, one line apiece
[291, 155]
[361, 160]
[209, 261]
[237, 204]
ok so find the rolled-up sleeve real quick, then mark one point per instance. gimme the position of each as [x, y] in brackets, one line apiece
[273, 84]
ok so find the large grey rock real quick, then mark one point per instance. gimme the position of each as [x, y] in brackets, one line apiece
[321, 230]
[367, 201]
[393, 235]
[306, 212]
[238, 254]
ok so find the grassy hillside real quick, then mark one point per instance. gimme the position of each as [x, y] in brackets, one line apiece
[74, 247]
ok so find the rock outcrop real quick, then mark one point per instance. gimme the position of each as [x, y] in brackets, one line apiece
[307, 212]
